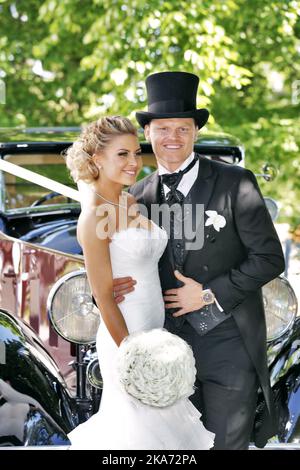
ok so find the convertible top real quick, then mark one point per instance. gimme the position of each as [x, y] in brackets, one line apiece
[56, 139]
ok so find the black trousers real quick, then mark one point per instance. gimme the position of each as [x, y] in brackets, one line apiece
[226, 384]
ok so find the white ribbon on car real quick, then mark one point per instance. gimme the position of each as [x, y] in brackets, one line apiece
[40, 180]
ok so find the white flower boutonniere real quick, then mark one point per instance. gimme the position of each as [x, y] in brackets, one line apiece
[215, 219]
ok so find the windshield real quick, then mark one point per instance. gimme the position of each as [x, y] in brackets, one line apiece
[17, 193]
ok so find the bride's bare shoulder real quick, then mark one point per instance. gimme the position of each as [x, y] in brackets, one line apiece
[89, 224]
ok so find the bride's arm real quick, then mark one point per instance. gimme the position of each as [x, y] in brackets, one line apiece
[99, 272]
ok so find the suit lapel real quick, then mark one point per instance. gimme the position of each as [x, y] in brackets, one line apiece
[202, 190]
[151, 191]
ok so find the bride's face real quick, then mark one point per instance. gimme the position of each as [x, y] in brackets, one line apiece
[120, 160]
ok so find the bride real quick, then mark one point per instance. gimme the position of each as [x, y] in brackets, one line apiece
[116, 240]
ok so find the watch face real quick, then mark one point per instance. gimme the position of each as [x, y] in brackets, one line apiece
[208, 297]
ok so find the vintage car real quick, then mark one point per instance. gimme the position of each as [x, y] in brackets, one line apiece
[49, 373]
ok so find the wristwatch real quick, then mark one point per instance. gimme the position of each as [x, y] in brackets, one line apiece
[208, 297]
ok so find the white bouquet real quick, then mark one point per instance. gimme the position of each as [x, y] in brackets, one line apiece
[156, 367]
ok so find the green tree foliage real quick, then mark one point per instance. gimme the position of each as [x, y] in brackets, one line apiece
[65, 62]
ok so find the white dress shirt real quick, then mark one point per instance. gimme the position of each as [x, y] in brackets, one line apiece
[188, 178]
[185, 184]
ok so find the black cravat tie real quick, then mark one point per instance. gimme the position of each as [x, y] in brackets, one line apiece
[172, 180]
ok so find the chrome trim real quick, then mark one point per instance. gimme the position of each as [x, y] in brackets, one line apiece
[3, 236]
[48, 209]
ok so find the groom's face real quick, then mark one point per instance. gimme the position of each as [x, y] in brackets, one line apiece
[172, 140]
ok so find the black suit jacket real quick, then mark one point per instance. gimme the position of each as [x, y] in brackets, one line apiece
[234, 262]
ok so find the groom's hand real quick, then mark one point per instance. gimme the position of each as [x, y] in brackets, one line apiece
[121, 287]
[187, 298]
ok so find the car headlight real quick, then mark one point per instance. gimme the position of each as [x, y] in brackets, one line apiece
[272, 207]
[280, 303]
[93, 373]
[71, 309]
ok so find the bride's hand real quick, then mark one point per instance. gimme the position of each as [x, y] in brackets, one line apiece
[122, 286]
[187, 298]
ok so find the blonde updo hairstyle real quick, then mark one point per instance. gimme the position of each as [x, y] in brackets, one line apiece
[93, 139]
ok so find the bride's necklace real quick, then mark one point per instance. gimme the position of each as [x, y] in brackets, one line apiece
[110, 202]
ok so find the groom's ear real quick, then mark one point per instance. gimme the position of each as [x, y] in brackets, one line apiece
[147, 132]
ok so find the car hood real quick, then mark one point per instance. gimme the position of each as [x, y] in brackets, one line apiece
[59, 236]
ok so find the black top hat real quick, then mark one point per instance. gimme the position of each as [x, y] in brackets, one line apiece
[170, 95]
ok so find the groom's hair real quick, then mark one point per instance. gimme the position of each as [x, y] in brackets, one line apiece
[93, 138]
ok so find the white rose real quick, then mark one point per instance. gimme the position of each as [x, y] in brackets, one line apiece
[156, 367]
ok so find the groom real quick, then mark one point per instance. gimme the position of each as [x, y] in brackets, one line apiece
[212, 294]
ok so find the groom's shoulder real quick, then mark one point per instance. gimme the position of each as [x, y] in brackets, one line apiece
[137, 188]
[226, 170]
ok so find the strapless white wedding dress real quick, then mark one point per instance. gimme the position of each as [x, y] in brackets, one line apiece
[122, 421]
